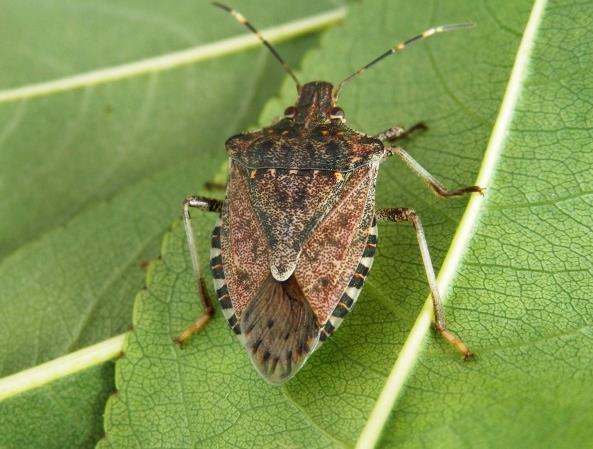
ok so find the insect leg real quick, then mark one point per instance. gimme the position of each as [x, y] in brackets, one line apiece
[213, 185]
[206, 205]
[396, 133]
[433, 182]
[405, 214]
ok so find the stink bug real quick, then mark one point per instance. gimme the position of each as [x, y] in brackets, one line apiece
[297, 231]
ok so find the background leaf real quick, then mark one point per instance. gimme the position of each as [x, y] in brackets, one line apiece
[59, 415]
[91, 138]
[91, 178]
[111, 166]
[208, 395]
[521, 298]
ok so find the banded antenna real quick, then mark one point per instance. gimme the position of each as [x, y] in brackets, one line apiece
[400, 46]
[239, 17]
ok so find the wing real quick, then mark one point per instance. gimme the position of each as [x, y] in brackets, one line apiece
[279, 329]
[273, 318]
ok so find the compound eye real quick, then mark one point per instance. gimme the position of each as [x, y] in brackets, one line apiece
[290, 112]
[337, 113]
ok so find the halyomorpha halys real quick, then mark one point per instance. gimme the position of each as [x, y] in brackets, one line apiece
[297, 231]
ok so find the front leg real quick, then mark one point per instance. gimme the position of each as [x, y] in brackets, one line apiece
[205, 205]
[433, 182]
[396, 133]
[404, 214]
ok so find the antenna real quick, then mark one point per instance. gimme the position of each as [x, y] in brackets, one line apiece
[239, 17]
[400, 46]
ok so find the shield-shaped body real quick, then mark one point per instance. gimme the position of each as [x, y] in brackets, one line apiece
[297, 235]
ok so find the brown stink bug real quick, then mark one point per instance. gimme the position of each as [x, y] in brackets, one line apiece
[297, 231]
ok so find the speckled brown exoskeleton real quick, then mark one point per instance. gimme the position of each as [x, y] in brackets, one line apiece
[297, 231]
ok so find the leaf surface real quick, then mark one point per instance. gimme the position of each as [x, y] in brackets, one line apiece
[67, 149]
[60, 415]
[130, 153]
[522, 295]
[520, 298]
[92, 176]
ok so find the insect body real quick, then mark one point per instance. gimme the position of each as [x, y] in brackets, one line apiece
[297, 231]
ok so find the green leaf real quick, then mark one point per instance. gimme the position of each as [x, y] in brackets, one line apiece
[76, 143]
[62, 414]
[107, 33]
[86, 200]
[522, 293]
[520, 296]
[93, 167]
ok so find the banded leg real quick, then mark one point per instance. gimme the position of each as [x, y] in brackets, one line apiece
[206, 205]
[405, 214]
[396, 133]
[433, 182]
